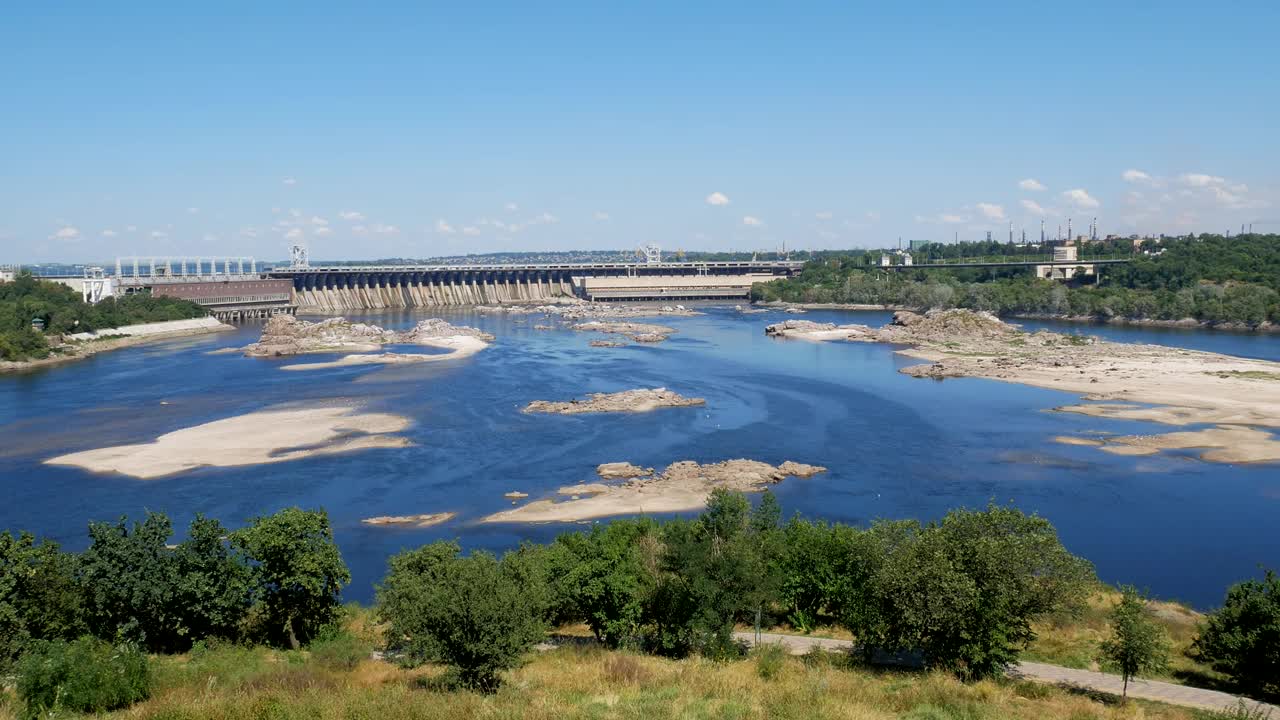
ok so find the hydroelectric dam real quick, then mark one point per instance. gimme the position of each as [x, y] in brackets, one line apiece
[336, 288]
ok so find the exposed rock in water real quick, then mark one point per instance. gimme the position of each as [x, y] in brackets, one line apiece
[625, 401]
[621, 470]
[421, 521]
[640, 332]
[607, 343]
[515, 495]
[584, 489]
[681, 487]
[286, 335]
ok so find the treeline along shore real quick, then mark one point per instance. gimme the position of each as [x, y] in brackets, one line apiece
[95, 631]
[1206, 280]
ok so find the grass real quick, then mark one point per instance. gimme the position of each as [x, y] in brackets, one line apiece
[1246, 374]
[1075, 642]
[228, 683]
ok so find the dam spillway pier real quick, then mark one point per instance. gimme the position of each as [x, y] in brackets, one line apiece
[340, 288]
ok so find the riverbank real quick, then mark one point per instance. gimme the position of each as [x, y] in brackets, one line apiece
[1184, 324]
[1190, 387]
[84, 345]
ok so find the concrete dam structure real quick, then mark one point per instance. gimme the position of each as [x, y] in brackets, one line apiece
[343, 288]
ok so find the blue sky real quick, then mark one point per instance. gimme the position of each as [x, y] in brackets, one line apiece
[416, 129]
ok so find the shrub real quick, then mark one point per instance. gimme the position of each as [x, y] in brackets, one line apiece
[85, 675]
[1243, 638]
[472, 613]
[39, 598]
[1138, 645]
[770, 658]
[338, 649]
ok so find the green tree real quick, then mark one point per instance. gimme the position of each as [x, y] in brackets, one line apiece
[129, 579]
[214, 582]
[612, 576]
[39, 595]
[468, 612]
[1138, 645]
[1242, 639]
[298, 572]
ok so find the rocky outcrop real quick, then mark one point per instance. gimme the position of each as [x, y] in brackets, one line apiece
[640, 332]
[286, 335]
[621, 471]
[682, 486]
[420, 521]
[625, 401]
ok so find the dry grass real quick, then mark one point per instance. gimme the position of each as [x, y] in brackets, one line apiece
[588, 682]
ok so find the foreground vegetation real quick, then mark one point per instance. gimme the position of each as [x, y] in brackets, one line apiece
[63, 311]
[1211, 279]
[247, 623]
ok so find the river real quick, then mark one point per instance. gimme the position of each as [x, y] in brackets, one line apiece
[896, 446]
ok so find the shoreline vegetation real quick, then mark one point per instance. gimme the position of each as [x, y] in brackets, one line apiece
[1207, 281]
[634, 618]
[1233, 394]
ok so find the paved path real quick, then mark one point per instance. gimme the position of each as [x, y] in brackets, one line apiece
[1145, 689]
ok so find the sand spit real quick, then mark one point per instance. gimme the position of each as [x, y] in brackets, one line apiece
[1192, 387]
[460, 346]
[633, 401]
[259, 438]
[1087, 442]
[682, 486]
[1225, 443]
[640, 332]
[420, 521]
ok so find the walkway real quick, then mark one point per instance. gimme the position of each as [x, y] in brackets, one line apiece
[1040, 672]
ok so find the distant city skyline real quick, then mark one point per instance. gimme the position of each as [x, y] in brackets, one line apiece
[403, 130]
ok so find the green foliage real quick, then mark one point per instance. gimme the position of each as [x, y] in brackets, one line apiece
[213, 582]
[821, 569]
[963, 592]
[468, 612]
[337, 648]
[39, 595]
[83, 676]
[63, 311]
[609, 575]
[1242, 639]
[129, 578]
[297, 570]
[770, 659]
[1138, 645]
[1210, 278]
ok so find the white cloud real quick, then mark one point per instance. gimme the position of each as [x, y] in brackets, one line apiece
[193, 211]
[717, 198]
[545, 218]
[66, 233]
[351, 215]
[873, 215]
[1136, 176]
[952, 218]
[293, 234]
[824, 215]
[131, 228]
[381, 229]
[1034, 207]
[323, 230]
[249, 232]
[359, 229]
[601, 216]
[1081, 199]
[1032, 184]
[1200, 180]
[444, 228]
[290, 181]
[511, 207]
[990, 211]
[750, 221]
[472, 231]
[159, 235]
[319, 221]
[210, 238]
[108, 233]
[295, 212]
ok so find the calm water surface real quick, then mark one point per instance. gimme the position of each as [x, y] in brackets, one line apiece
[895, 446]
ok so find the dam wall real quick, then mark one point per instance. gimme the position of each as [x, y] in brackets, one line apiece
[374, 293]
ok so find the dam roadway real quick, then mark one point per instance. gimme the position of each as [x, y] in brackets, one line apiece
[331, 288]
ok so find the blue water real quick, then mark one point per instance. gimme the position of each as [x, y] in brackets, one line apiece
[896, 446]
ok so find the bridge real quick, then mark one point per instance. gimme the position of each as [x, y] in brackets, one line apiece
[350, 287]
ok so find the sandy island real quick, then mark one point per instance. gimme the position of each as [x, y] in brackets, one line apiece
[258, 438]
[633, 401]
[682, 486]
[285, 336]
[1189, 386]
[640, 332]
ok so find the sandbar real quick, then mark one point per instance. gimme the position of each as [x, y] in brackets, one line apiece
[258, 438]
[460, 346]
[633, 401]
[420, 521]
[682, 486]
